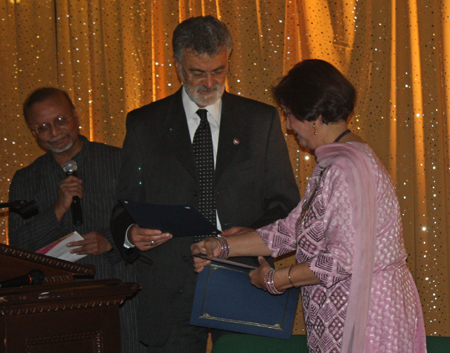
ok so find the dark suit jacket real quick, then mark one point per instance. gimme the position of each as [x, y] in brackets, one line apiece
[254, 186]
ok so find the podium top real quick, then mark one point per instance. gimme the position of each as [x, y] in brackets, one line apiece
[17, 262]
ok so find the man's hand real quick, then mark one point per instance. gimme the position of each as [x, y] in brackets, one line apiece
[93, 244]
[68, 188]
[145, 239]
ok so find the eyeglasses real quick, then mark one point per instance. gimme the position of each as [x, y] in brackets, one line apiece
[60, 122]
[200, 75]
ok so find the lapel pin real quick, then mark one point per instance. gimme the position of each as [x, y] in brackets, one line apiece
[236, 141]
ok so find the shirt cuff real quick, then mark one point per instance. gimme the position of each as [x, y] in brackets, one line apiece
[127, 244]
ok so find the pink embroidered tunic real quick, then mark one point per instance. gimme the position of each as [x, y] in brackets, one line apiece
[351, 237]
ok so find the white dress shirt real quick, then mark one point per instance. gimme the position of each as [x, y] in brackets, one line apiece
[193, 120]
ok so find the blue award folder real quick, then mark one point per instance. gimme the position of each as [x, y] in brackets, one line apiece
[179, 220]
[225, 299]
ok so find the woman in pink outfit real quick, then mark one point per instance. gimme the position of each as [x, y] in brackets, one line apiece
[358, 294]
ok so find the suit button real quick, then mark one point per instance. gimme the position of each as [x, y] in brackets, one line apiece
[180, 291]
[185, 258]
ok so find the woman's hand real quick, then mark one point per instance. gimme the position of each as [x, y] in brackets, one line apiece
[257, 276]
[210, 246]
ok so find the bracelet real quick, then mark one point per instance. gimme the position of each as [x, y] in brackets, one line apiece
[289, 277]
[225, 248]
[268, 280]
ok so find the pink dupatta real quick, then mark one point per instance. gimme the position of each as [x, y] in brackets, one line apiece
[357, 172]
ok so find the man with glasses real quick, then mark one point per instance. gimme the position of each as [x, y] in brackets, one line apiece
[167, 161]
[54, 123]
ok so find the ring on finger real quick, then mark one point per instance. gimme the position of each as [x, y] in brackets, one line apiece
[152, 243]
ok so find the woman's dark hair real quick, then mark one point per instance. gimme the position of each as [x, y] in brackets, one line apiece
[314, 88]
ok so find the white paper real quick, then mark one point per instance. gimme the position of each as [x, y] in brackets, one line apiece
[61, 251]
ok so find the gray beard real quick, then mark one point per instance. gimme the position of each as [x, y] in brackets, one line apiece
[58, 150]
[197, 98]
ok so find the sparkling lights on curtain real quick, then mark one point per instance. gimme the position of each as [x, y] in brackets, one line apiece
[114, 56]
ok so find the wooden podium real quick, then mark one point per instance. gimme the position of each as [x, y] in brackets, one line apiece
[60, 315]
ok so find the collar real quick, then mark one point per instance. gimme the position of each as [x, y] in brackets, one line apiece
[84, 148]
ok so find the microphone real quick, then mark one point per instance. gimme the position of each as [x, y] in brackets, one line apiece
[34, 277]
[25, 209]
[70, 168]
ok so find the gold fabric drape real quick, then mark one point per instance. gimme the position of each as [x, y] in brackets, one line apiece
[114, 56]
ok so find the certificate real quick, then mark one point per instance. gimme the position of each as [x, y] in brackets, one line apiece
[225, 299]
[179, 220]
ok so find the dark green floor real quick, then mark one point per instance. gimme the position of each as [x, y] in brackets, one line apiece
[241, 343]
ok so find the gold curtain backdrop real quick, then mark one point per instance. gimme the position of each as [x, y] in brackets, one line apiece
[114, 56]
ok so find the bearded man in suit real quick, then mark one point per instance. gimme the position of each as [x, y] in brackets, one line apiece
[252, 180]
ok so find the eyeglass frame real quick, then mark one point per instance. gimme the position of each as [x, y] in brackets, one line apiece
[204, 74]
[65, 122]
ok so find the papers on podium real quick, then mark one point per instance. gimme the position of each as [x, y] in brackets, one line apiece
[179, 220]
[60, 250]
[225, 299]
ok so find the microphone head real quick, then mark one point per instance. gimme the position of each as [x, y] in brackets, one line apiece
[70, 167]
[37, 277]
